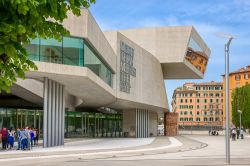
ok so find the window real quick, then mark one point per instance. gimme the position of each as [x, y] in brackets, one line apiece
[211, 119]
[191, 112]
[185, 113]
[198, 113]
[198, 119]
[217, 119]
[211, 94]
[191, 94]
[217, 95]
[186, 95]
[51, 51]
[246, 76]
[181, 100]
[217, 100]
[198, 106]
[186, 100]
[194, 57]
[211, 106]
[205, 106]
[198, 100]
[72, 51]
[205, 119]
[205, 112]
[181, 119]
[191, 107]
[69, 51]
[191, 100]
[181, 112]
[190, 119]
[237, 77]
[205, 100]
[211, 100]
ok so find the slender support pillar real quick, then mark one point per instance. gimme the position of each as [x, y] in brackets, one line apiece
[53, 120]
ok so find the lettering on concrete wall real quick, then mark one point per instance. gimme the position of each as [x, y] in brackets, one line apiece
[127, 68]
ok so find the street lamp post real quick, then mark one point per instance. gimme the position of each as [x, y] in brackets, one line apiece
[227, 98]
[227, 136]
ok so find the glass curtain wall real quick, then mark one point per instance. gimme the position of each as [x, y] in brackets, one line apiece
[19, 118]
[77, 124]
[88, 124]
[70, 51]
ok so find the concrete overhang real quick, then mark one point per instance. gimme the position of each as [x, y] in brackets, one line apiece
[170, 46]
[78, 81]
[126, 104]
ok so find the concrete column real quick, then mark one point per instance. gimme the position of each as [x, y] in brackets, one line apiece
[54, 108]
[142, 123]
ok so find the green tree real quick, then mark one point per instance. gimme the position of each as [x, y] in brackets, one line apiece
[21, 20]
[241, 101]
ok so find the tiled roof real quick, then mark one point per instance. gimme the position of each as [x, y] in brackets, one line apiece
[209, 83]
[242, 70]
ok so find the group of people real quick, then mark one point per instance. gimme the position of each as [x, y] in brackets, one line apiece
[213, 132]
[26, 138]
[237, 133]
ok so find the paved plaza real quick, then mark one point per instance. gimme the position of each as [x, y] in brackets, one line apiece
[181, 150]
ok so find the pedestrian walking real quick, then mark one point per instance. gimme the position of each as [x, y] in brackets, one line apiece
[233, 134]
[4, 134]
[11, 138]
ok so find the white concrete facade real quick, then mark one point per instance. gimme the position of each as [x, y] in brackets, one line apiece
[155, 54]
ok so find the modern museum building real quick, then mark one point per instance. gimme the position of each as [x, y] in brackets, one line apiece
[102, 84]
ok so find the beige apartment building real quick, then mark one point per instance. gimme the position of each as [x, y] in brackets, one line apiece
[199, 105]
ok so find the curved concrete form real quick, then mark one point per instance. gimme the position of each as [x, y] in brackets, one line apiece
[121, 70]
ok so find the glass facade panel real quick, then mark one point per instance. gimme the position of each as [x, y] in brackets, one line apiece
[72, 51]
[92, 61]
[77, 124]
[33, 49]
[50, 51]
[196, 56]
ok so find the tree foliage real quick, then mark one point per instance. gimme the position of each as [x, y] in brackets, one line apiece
[241, 101]
[21, 20]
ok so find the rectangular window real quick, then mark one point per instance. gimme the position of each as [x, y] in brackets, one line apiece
[246, 76]
[237, 77]
[51, 51]
[33, 49]
[73, 51]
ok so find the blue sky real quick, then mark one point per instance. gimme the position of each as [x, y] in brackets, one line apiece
[208, 17]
